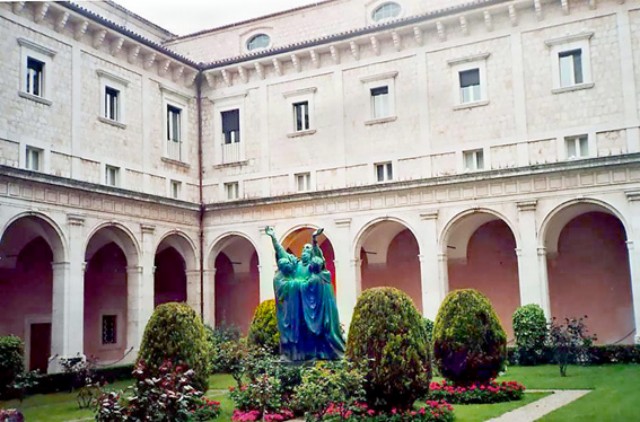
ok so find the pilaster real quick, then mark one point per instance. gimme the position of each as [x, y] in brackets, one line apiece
[432, 287]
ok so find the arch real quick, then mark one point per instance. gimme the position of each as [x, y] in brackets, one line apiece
[117, 233]
[223, 241]
[468, 228]
[388, 251]
[50, 232]
[557, 218]
[588, 268]
[182, 243]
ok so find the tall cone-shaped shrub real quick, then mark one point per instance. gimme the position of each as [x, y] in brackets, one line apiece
[263, 331]
[469, 343]
[176, 333]
[387, 337]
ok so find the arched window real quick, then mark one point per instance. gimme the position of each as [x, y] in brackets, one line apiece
[258, 42]
[386, 11]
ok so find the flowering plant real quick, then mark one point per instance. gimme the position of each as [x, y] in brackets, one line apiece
[11, 415]
[254, 415]
[491, 392]
[434, 411]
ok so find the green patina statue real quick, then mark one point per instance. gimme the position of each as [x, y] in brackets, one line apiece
[306, 306]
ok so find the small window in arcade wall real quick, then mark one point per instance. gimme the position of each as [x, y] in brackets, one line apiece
[109, 329]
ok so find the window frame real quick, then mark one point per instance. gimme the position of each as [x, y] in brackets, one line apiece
[465, 64]
[172, 193]
[577, 141]
[474, 154]
[373, 82]
[40, 161]
[223, 105]
[45, 55]
[108, 80]
[119, 329]
[118, 175]
[296, 97]
[310, 181]
[387, 169]
[566, 44]
[255, 35]
[379, 5]
[174, 99]
[225, 190]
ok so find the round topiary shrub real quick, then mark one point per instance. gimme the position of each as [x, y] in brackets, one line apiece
[530, 330]
[263, 331]
[388, 340]
[176, 333]
[11, 362]
[469, 344]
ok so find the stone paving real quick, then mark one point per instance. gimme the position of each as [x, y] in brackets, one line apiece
[539, 408]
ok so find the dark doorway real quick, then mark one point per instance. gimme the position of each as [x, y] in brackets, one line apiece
[40, 347]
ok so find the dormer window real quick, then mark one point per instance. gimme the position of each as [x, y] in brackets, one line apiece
[258, 42]
[386, 11]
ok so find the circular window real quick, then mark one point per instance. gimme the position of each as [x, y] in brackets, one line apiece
[258, 42]
[386, 11]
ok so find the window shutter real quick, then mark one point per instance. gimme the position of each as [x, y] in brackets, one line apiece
[469, 78]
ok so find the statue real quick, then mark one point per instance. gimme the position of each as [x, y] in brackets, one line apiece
[307, 314]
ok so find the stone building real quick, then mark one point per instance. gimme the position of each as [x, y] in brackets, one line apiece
[491, 144]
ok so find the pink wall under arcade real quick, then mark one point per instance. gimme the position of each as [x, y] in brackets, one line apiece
[105, 292]
[236, 294]
[170, 278]
[401, 270]
[590, 276]
[26, 290]
[491, 268]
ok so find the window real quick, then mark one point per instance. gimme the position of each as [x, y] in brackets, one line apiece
[384, 172]
[303, 182]
[570, 67]
[35, 77]
[470, 86]
[109, 329]
[174, 189]
[380, 102]
[386, 11]
[231, 126]
[301, 116]
[174, 132]
[577, 146]
[112, 176]
[473, 160]
[111, 106]
[232, 190]
[258, 42]
[33, 158]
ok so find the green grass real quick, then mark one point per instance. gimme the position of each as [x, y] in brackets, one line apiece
[615, 396]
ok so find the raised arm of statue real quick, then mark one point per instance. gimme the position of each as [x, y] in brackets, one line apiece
[280, 252]
[316, 251]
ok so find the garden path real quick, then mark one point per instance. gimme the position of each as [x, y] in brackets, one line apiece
[534, 411]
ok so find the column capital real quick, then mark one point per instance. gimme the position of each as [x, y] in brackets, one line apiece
[429, 215]
[442, 257]
[518, 252]
[542, 251]
[134, 269]
[75, 219]
[147, 228]
[356, 262]
[342, 222]
[527, 205]
[60, 265]
[192, 272]
[629, 245]
[633, 196]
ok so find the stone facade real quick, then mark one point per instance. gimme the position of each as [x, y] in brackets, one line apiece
[513, 192]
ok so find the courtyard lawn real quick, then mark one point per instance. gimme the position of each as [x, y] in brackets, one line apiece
[614, 398]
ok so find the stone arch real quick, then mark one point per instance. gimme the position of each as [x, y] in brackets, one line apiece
[235, 259]
[296, 237]
[588, 268]
[175, 259]
[29, 244]
[480, 246]
[182, 243]
[388, 251]
[117, 233]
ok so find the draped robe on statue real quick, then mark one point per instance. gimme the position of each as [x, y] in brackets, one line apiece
[306, 308]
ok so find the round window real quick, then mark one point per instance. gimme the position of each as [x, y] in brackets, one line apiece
[258, 42]
[386, 11]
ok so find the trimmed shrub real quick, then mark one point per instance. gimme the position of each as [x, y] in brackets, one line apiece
[530, 329]
[264, 327]
[175, 333]
[469, 344]
[11, 362]
[217, 338]
[387, 338]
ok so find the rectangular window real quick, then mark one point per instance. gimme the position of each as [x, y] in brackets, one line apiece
[384, 172]
[111, 106]
[35, 77]
[380, 102]
[111, 176]
[175, 187]
[33, 159]
[470, 86]
[303, 182]
[231, 126]
[109, 329]
[571, 67]
[474, 160]
[232, 190]
[301, 116]
[577, 147]
[174, 123]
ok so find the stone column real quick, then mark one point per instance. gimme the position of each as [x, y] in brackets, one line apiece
[67, 313]
[433, 290]
[543, 281]
[136, 320]
[347, 285]
[531, 284]
[209, 292]
[267, 267]
[444, 273]
[633, 245]
[193, 290]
